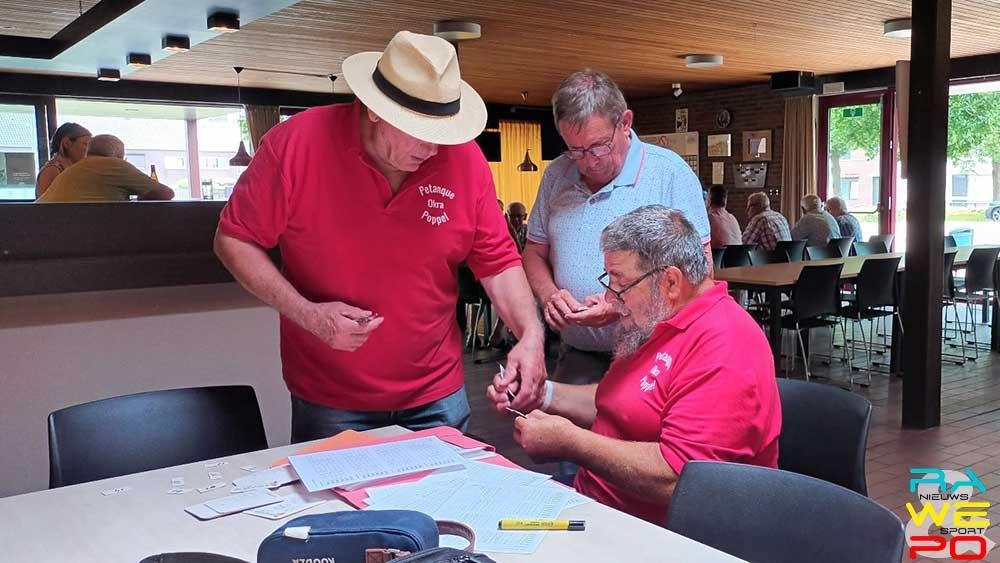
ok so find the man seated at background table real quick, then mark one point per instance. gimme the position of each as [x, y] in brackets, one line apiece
[104, 175]
[692, 379]
[816, 226]
[766, 227]
[849, 225]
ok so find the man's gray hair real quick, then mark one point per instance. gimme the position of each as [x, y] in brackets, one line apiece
[811, 203]
[661, 237]
[586, 93]
[106, 145]
[837, 204]
[761, 198]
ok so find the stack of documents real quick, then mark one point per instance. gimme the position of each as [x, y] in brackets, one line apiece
[480, 496]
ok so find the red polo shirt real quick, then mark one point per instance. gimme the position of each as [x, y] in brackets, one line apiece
[344, 236]
[703, 387]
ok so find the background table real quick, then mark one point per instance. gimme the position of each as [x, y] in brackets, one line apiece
[77, 523]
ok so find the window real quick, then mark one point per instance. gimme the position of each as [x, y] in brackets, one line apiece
[174, 163]
[160, 135]
[18, 151]
[960, 185]
[876, 189]
[849, 188]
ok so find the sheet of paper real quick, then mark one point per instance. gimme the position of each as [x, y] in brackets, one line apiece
[718, 173]
[243, 501]
[353, 465]
[266, 479]
[297, 500]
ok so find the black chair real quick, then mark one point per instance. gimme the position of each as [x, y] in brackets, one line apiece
[472, 294]
[767, 515]
[760, 257]
[869, 248]
[843, 244]
[146, 431]
[737, 255]
[717, 257]
[978, 288]
[822, 252]
[948, 300]
[884, 239]
[824, 433]
[796, 249]
[815, 303]
[949, 242]
[875, 291]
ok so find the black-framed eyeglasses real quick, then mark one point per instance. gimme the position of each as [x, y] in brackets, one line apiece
[598, 150]
[604, 278]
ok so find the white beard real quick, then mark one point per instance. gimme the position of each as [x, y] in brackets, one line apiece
[629, 339]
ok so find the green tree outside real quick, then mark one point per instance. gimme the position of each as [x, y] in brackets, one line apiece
[852, 133]
[974, 131]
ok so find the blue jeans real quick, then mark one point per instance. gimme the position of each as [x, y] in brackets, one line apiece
[311, 421]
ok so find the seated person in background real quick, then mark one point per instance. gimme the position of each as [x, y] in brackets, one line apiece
[725, 227]
[68, 146]
[517, 214]
[816, 226]
[692, 379]
[104, 176]
[766, 227]
[849, 225]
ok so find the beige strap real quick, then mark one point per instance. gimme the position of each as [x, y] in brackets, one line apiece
[445, 528]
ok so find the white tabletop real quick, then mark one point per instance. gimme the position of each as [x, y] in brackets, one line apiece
[78, 523]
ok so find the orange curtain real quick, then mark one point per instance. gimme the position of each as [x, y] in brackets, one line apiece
[260, 120]
[516, 137]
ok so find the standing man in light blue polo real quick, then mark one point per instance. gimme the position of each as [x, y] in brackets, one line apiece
[605, 173]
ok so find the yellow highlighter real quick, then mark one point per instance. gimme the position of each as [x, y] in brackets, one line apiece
[541, 524]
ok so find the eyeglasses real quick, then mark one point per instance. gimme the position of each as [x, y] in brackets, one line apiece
[605, 278]
[598, 150]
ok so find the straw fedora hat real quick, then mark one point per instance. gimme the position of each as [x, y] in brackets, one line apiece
[415, 85]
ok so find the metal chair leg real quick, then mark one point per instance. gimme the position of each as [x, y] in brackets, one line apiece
[805, 353]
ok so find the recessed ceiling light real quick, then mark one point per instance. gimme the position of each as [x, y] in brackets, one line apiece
[458, 30]
[109, 75]
[900, 28]
[224, 22]
[176, 43]
[703, 61]
[139, 60]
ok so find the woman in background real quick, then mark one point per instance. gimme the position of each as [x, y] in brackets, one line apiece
[69, 146]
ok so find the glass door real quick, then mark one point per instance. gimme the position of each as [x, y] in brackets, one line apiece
[855, 160]
[19, 150]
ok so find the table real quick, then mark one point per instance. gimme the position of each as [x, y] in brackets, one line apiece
[77, 523]
[773, 279]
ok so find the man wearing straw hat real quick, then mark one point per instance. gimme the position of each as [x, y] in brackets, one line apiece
[374, 205]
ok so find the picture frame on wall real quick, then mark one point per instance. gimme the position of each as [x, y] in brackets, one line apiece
[681, 120]
[720, 145]
[757, 145]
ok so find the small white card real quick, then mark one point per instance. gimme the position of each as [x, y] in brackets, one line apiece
[212, 464]
[178, 491]
[266, 479]
[211, 487]
[249, 468]
[287, 507]
[116, 491]
[232, 504]
[214, 475]
[177, 482]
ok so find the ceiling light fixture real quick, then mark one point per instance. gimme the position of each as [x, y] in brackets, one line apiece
[223, 22]
[527, 165]
[457, 30]
[703, 61]
[176, 43]
[242, 157]
[139, 60]
[898, 28]
[109, 75]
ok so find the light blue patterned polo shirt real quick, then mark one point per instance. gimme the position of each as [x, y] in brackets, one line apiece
[569, 219]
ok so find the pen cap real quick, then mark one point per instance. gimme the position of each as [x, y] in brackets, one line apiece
[577, 525]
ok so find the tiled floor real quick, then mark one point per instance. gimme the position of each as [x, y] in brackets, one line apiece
[969, 435]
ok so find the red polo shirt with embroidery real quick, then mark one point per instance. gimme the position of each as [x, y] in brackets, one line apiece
[702, 387]
[344, 236]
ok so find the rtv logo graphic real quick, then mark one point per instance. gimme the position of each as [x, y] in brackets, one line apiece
[946, 501]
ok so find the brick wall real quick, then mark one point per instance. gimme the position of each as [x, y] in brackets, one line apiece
[752, 108]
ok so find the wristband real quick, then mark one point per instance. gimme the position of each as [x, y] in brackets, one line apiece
[549, 388]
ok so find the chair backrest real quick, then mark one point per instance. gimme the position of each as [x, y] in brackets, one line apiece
[979, 269]
[817, 291]
[843, 244]
[876, 283]
[760, 257]
[949, 242]
[717, 257]
[822, 252]
[948, 275]
[774, 516]
[869, 248]
[884, 239]
[824, 433]
[469, 288]
[737, 255]
[796, 249]
[145, 431]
